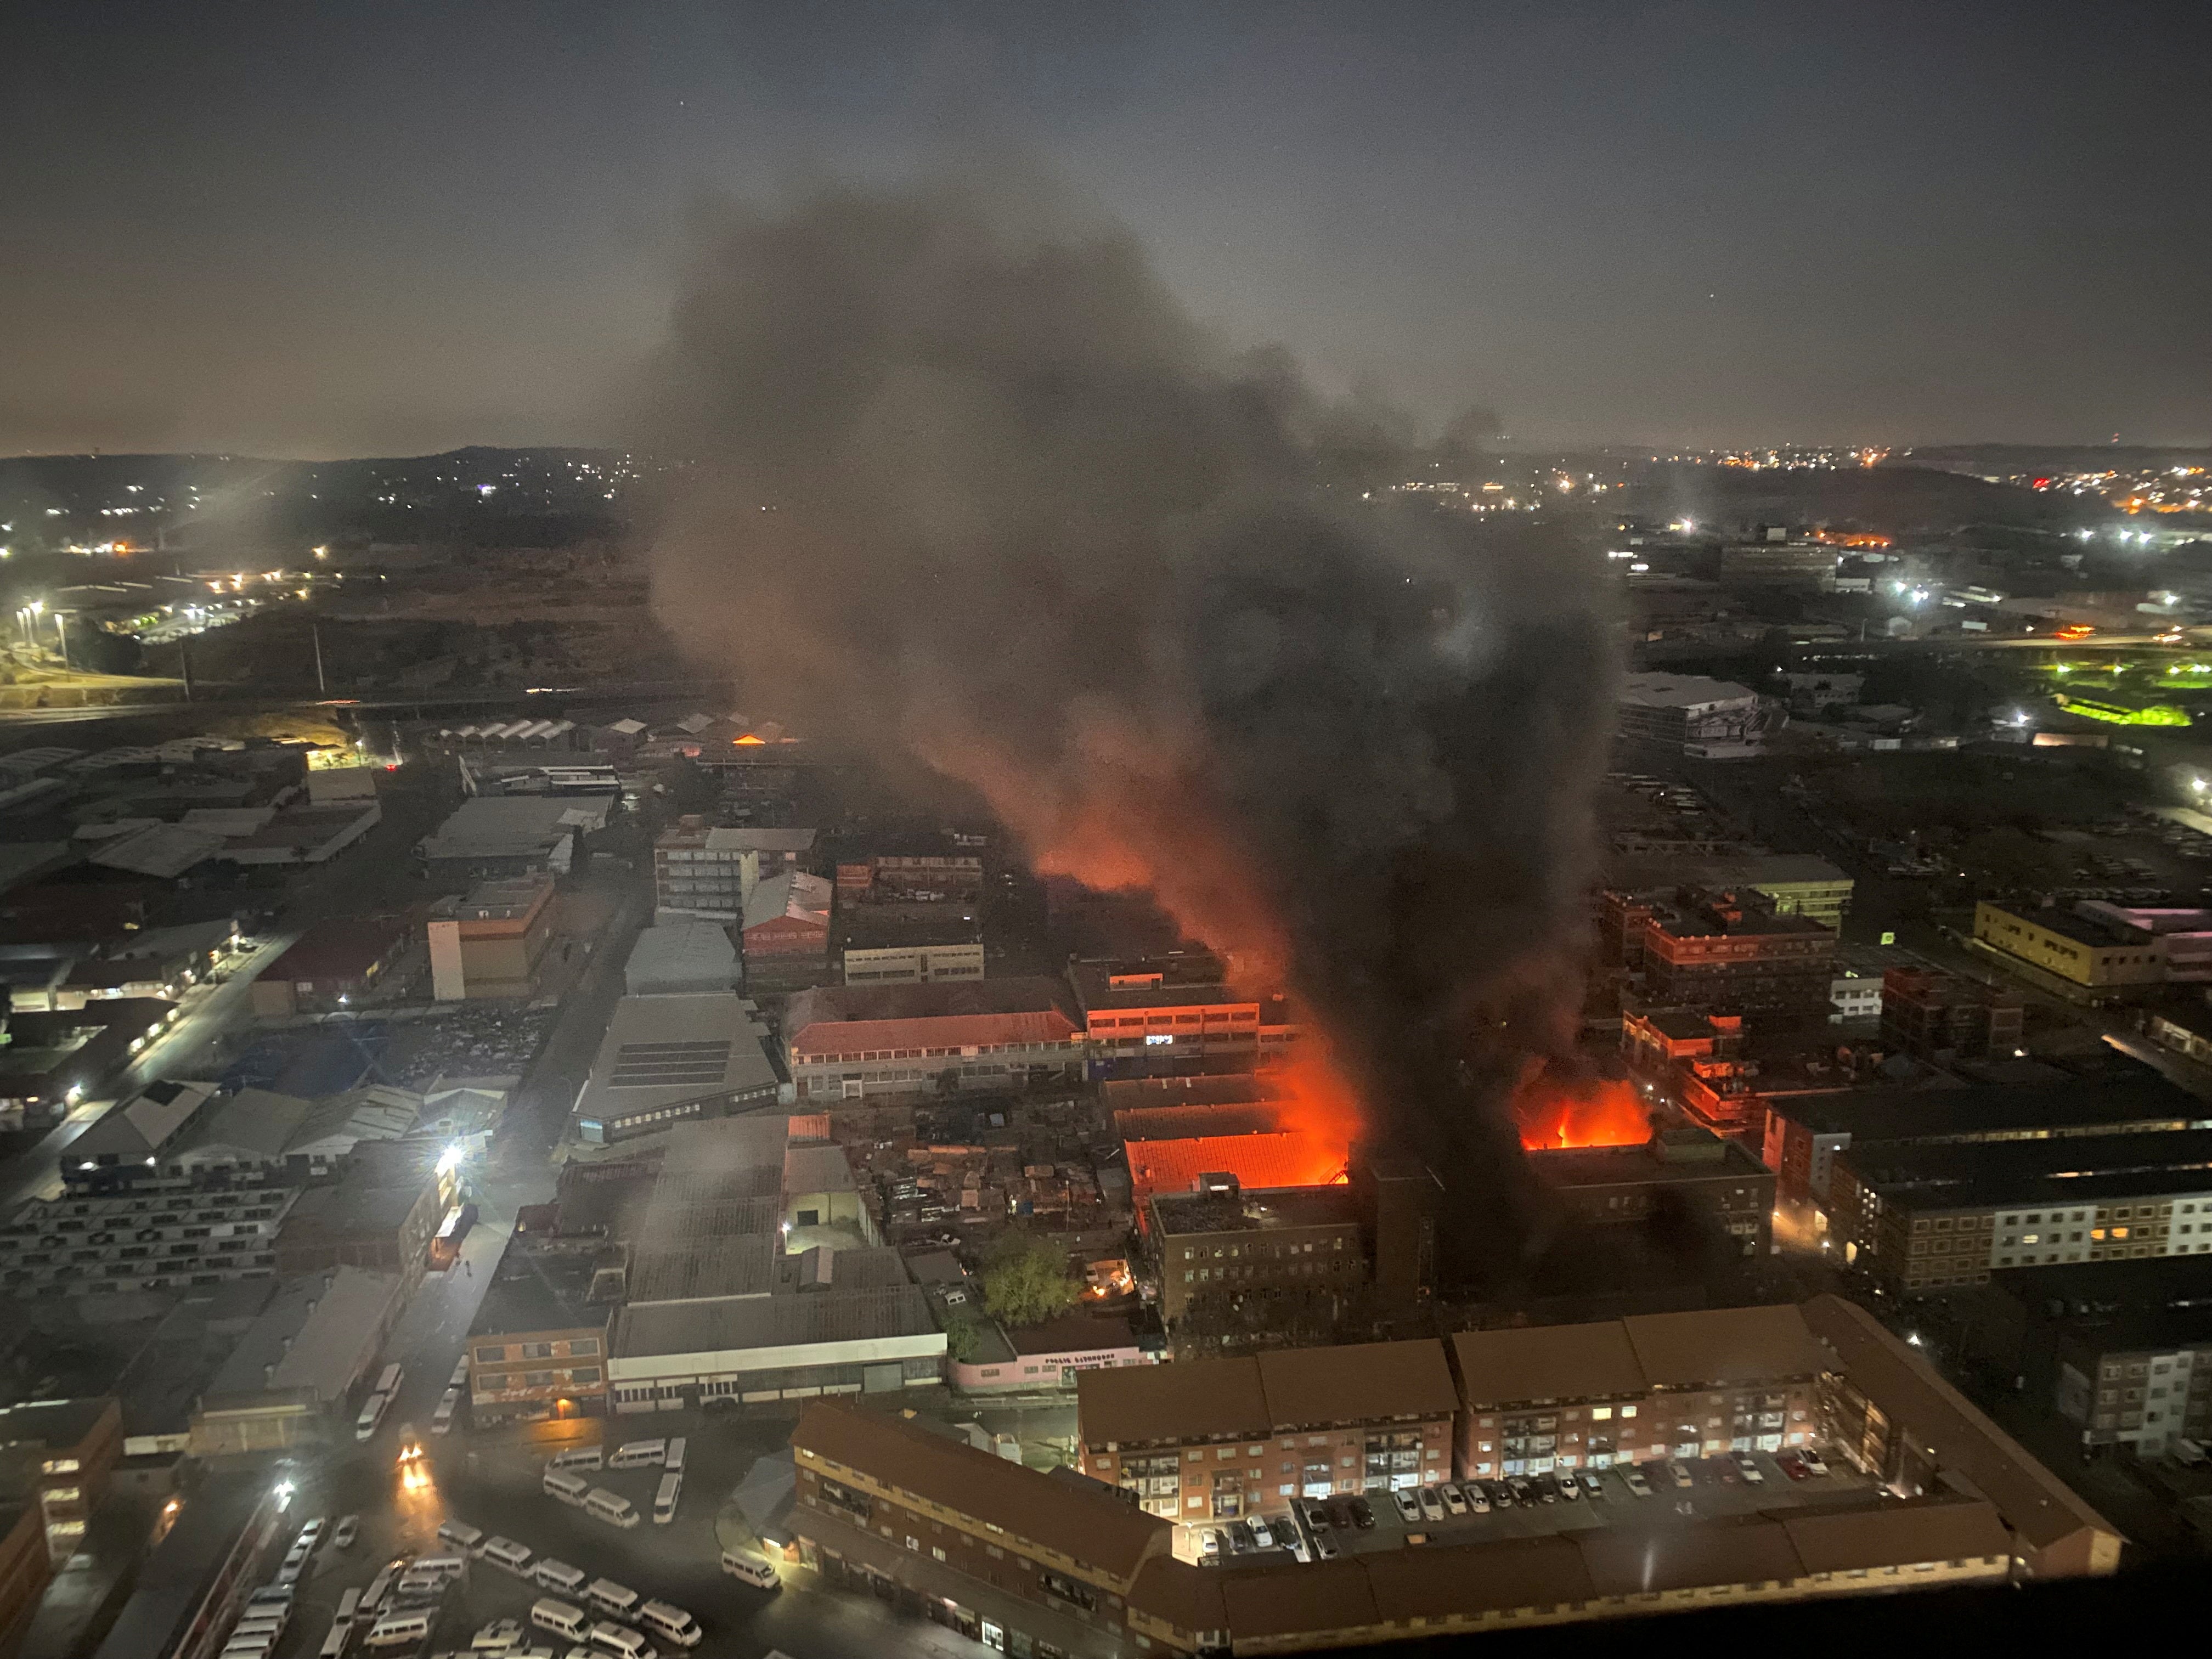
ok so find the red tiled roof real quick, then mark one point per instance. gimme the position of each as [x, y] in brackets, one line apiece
[1284, 1159]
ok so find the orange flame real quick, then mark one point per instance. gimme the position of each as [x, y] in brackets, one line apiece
[1129, 813]
[747, 741]
[1560, 1112]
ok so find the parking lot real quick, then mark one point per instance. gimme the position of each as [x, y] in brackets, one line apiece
[1717, 1486]
[496, 1487]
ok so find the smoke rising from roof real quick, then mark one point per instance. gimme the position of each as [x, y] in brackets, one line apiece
[969, 486]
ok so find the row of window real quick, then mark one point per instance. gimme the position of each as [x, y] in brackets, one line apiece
[497, 1353]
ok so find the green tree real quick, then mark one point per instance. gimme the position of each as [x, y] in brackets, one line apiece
[961, 1337]
[1027, 1282]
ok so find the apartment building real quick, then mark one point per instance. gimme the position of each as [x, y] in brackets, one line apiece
[1933, 1217]
[1050, 1566]
[1804, 1136]
[1629, 1390]
[1021, 1561]
[151, 1240]
[1213, 1440]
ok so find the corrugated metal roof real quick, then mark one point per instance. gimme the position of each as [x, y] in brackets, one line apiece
[735, 1324]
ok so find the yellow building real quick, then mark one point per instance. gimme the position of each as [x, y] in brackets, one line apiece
[2073, 947]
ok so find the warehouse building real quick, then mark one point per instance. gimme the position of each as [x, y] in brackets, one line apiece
[667, 1060]
[491, 941]
[850, 1042]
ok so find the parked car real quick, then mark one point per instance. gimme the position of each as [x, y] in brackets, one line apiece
[1524, 1493]
[1790, 1465]
[1326, 1549]
[1548, 1490]
[1363, 1513]
[1681, 1476]
[1263, 1533]
[1241, 1540]
[1569, 1488]
[1501, 1495]
[1409, 1507]
[1814, 1464]
[348, 1529]
[1592, 1486]
[1477, 1499]
[1315, 1515]
[501, 1636]
[1432, 1505]
[1454, 1503]
[1752, 1474]
[1637, 1485]
[1209, 1542]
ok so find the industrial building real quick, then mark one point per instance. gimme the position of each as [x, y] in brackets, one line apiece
[717, 1308]
[785, 934]
[681, 956]
[539, 1344]
[1723, 952]
[1213, 1439]
[2101, 947]
[1931, 1014]
[1269, 1255]
[491, 941]
[850, 1042]
[1173, 1017]
[339, 961]
[64, 1451]
[1706, 719]
[672, 1059]
[1713, 1180]
[297, 1375]
[496, 835]
[1795, 884]
[1804, 1136]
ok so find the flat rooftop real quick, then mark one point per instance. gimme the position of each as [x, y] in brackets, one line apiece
[1255, 1210]
[1875, 1116]
[2176, 1160]
[530, 1292]
[1628, 1166]
[1680, 691]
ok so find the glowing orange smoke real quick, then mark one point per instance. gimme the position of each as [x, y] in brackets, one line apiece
[1563, 1111]
[748, 741]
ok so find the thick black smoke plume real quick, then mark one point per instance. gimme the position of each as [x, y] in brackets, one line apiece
[968, 484]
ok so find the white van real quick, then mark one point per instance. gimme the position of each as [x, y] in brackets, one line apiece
[256, 1621]
[621, 1640]
[663, 1501]
[568, 1488]
[450, 1566]
[608, 1596]
[561, 1618]
[751, 1570]
[558, 1575]
[506, 1552]
[350, 1603]
[379, 1588]
[460, 1535]
[669, 1622]
[636, 1454]
[371, 1415]
[334, 1641]
[442, 1420]
[611, 1507]
[248, 1647]
[674, 1462]
[397, 1629]
[579, 1457]
[388, 1384]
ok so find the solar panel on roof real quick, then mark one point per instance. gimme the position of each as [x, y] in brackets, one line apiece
[664, 1065]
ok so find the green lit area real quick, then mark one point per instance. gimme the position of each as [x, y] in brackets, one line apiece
[2120, 713]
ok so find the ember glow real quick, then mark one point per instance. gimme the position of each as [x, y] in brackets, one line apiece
[1556, 1112]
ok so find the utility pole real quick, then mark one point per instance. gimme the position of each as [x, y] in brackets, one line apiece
[322, 689]
[61, 634]
[185, 662]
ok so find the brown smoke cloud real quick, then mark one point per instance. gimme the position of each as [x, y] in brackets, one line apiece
[966, 484]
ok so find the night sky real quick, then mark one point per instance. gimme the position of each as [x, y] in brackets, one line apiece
[390, 228]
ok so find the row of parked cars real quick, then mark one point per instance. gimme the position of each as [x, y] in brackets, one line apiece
[1306, 1531]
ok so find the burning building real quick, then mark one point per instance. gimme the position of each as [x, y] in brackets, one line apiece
[1034, 531]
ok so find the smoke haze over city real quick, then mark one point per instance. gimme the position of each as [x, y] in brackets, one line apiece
[965, 484]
